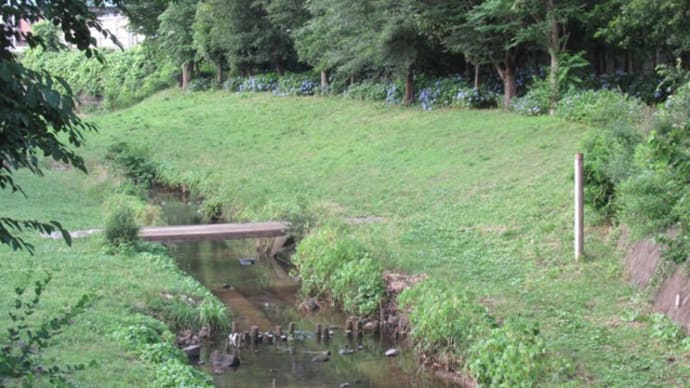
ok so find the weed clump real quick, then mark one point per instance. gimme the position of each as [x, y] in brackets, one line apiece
[333, 264]
[121, 228]
[449, 324]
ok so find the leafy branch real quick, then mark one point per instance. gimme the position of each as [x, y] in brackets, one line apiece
[20, 352]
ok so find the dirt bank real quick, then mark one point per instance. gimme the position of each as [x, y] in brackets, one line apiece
[642, 261]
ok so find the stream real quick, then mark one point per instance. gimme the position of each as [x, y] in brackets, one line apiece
[263, 295]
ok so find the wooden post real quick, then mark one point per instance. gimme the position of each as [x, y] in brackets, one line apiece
[579, 207]
[255, 334]
[291, 329]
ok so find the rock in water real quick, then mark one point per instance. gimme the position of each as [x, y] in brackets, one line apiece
[392, 352]
[192, 351]
[323, 357]
[371, 326]
[224, 360]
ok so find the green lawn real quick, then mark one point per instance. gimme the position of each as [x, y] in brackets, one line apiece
[122, 283]
[480, 198]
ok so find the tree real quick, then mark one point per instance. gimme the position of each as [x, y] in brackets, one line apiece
[49, 35]
[341, 35]
[445, 21]
[143, 15]
[648, 24]
[549, 28]
[175, 35]
[314, 38]
[256, 39]
[401, 41]
[285, 16]
[211, 28]
[35, 116]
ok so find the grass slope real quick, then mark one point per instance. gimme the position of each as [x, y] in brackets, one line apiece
[123, 284]
[481, 198]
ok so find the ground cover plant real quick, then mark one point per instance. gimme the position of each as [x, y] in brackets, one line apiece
[478, 200]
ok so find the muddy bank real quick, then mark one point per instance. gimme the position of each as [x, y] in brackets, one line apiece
[644, 262]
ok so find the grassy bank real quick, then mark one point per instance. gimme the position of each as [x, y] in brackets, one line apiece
[117, 331]
[481, 199]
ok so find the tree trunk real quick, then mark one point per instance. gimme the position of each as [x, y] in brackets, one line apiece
[601, 61]
[186, 74]
[510, 90]
[657, 57]
[507, 74]
[220, 74]
[324, 80]
[629, 62]
[409, 87]
[476, 75]
[554, 51]
[352, 79]
[279, 69]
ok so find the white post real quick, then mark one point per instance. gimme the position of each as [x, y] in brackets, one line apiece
[579, 208]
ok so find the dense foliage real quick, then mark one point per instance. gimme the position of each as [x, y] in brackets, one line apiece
[119, 80]
[403, 39]
[153, 343]
[334, 265]
[454, 326]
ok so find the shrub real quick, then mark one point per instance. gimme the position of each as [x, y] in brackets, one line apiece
[291, 84]
[133, 162]
[513, 355]
[601, 108]
[120, 227]
[144, 213]
[656, 197]
[153, 343]
[259, 83]
[475, 98]
[394, 94]
[444, 318]
[535, 102]
[124, 78]
[665, 330]
[200, 84]
[358, 285]
[302, 218]
[369, 90]
[332, 263]
[647, 201]
[608, 161]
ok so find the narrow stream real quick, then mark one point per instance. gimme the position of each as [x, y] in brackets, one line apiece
[262, 295]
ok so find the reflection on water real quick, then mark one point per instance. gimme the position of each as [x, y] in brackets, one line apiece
[256, 296]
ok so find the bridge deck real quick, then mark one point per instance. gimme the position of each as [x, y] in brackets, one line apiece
[181, 233]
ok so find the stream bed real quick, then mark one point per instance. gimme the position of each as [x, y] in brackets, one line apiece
[261, 294]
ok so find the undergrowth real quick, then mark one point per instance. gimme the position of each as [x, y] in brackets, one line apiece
[332, 264]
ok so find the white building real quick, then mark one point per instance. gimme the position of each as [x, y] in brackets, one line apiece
[118, 25]
[111, 20]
